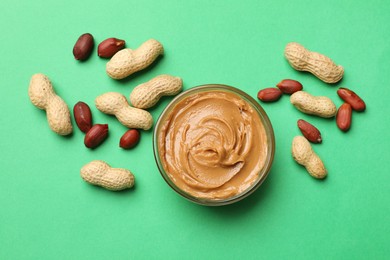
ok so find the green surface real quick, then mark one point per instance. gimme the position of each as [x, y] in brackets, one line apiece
[48, 212]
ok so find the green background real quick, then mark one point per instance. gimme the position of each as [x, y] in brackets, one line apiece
[48, 212]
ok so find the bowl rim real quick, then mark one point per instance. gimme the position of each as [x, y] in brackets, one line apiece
[267, 126]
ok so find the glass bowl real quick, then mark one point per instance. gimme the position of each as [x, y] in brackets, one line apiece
[270, 149]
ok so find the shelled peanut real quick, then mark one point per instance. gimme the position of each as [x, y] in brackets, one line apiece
[344, 113]
[344, 117]
[110, 46]
[129, 139]
[309, 131]
[289, 86]
[83, 47]
[96, 135]
[286, 86]
[83, 116]
[352, 98]
[269, 94]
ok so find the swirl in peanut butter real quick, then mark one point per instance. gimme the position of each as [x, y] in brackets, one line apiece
[213, 145]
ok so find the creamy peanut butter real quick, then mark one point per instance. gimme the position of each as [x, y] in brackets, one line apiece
[213, 145]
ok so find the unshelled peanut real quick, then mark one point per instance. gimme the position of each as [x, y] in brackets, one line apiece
[43, 96]
[303, 154]
[148, 94]
[127, 61]
[312, 105]
[319, 65]
[114, 103]
[101, 174]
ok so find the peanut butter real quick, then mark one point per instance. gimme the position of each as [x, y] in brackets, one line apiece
[213, 145]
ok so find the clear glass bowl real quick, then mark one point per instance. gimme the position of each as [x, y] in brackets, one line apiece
[270, 143]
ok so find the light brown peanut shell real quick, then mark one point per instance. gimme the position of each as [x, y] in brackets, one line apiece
[101, 174]
[319, 106]
[113, 103]
[43, 96]
[149, 93]
[127, 61]
[318, 64]
[303, 154]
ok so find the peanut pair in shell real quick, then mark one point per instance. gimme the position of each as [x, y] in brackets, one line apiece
[43, 96]
[318, 64]
[303, 154]
[101, 174]
[127, 61]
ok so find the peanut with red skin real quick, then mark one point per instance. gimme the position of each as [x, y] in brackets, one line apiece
[344, 117]
[309, 131]
[110, 46]
[96, 135]
[129, 139]
[352, 98]
[83, 47]
[289, 86]
[269, 94]
[83, 116]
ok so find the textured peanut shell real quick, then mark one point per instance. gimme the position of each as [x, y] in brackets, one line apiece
[43, 96]
[113, 103]
[148, 94]
[127, 61]
[312, 105]
[303, 154]
[101, 174]
[319, 65]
